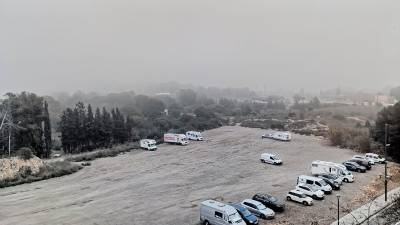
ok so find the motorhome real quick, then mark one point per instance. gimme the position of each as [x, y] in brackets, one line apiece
[179, 139]
[217, 213]
[148, 144]
[280, 136]
[194, 135]
[315, 181]
[321, 167]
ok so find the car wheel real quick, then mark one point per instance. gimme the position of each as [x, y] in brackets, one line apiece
[358, 170]
[263, 216]
[314, 197]
[305, 203]
[346, 180]
[288, 198]
[206, 223]
[262, 160]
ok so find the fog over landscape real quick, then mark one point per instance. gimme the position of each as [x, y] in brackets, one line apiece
[48, 46]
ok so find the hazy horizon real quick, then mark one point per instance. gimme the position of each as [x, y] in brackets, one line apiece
[111, 46]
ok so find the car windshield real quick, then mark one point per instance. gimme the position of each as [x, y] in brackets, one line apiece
[273, 199]
[323, 183]
[274, 158]
[245, 212]
[261, 207]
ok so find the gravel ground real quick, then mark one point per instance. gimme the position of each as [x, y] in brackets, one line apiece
[165, 187]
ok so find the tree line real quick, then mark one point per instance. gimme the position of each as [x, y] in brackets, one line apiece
[25, 123]
[84, 130]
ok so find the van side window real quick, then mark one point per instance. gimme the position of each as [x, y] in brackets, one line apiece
[309, 182]
[317, 183]
[218, 215]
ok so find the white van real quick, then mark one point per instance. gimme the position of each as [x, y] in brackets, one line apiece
[375, 157]
[270, 158]
[315, 181]
[194, 135]
[217, 213]
[148, 144]
[322, 167]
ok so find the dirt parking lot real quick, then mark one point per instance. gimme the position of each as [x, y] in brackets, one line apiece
[165, 187]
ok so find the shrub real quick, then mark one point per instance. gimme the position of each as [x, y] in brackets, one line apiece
[339, 117]
[25, 153]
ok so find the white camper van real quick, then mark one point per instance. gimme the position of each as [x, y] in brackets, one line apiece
[148, 144]
[194, 135]
[375, 158]
[179, 139]
[270, 158]
[322, 167]
[315, 181]
[280, 136]
[217, 213]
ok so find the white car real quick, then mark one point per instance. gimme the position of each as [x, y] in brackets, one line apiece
[311, 191]
[298, 196]
[258, 209]
[375, 157]
[315, 181]
[370, 161]
[271, 159]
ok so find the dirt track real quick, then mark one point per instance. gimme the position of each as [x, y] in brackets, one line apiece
[166, 186]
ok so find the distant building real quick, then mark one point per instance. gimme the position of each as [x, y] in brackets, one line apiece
[384, 100]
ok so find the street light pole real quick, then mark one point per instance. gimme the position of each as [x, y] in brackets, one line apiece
[338, 209]
[386, 144]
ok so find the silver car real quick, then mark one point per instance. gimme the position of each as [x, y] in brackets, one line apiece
[258, 209]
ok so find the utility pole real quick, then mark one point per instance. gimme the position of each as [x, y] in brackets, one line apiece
[386, 144]
[338, 209]
[9, 142]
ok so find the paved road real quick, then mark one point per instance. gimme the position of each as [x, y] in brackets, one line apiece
[166, 186]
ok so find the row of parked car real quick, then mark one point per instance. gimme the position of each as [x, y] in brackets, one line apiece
[362, 163]
[248, 211]
[330, 176]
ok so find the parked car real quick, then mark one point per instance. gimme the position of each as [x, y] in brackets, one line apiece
[333, 180]
[315, 181]
[247, 216]
[375, 157]
[362, 162]
[353, 166]
[217, 213]
[258, 209]
[298, 196]
[270, 158]
[311, 191]
[370, 161]
[270, 202]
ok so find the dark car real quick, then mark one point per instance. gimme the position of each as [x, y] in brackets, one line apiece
[353, 166]
[362, 162]
[246, 215]
[270, 202]
[331, 180]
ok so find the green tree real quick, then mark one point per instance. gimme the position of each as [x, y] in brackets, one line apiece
[47, 131]
[391, 116]
[187, 97]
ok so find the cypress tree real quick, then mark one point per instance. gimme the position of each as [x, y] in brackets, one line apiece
[89, 125]
[47, 131]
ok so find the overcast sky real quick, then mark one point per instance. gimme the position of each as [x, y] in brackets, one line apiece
[113, 45]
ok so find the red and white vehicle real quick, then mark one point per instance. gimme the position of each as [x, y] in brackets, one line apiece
[179, 139]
